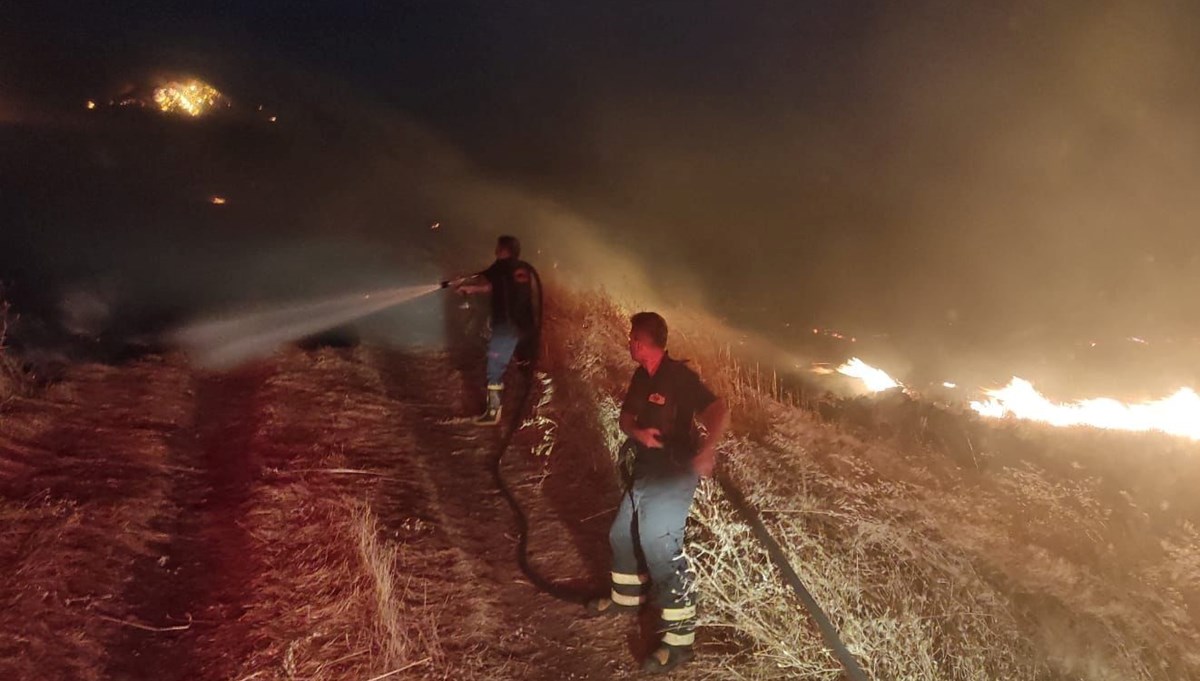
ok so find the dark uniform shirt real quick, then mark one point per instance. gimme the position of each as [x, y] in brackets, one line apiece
[512, 293]
[669, 400]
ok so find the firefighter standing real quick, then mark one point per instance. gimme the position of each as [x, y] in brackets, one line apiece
[659, 414]
[509, 280]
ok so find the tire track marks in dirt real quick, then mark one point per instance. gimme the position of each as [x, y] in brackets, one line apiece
[314, 604]
[202, 575]
[456, 501]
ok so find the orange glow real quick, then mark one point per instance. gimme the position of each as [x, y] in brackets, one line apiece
[874, 379]
[189, 98]
[1178, 414]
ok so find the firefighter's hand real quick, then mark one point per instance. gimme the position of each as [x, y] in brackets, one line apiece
[650, 438]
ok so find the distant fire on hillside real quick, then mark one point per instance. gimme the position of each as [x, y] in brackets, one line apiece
[189, 98]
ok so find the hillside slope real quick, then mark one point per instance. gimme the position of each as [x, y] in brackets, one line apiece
[325, 515]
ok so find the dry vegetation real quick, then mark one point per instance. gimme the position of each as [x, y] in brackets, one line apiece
[135, 537]
[277, 524]
[323, 592]
[86, 477]
[1041, 559]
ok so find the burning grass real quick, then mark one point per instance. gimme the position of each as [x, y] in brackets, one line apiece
[1040, 559]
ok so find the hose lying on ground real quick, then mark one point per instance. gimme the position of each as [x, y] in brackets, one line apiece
[830, 633]
[508, 429]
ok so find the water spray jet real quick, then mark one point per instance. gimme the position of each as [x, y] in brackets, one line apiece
[225, 342]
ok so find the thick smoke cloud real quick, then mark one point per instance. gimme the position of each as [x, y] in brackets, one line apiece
[988, 186]
[993, 187]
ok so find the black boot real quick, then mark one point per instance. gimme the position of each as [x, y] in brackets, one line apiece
[666, 658]
[491, 415]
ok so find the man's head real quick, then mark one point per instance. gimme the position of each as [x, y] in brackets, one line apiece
[508, 247]
[647, 336]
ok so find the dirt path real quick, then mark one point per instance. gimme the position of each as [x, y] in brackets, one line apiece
[241, 484]
[533, 634]
[198, 581]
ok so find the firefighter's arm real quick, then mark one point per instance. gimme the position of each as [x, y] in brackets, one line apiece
[715, 419]
[474, 285]
[647, 437]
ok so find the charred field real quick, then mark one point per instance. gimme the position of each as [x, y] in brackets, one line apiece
[323, 514]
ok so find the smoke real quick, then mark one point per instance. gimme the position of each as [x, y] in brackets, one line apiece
[992, 187]
[338, 193]
[985, 189]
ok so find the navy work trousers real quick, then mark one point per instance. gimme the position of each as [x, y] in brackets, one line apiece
[647, 546]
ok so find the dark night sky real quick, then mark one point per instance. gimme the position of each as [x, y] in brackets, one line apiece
[1021, 169]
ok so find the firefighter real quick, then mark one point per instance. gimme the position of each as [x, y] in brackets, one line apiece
[664, 401]
[509, 280]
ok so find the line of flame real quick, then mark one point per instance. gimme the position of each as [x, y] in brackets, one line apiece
[875, 379]
[1177, 414]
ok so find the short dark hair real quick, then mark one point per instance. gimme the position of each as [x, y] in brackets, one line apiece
[652, 325]
[510, 244]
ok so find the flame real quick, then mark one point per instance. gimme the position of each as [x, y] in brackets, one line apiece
[874, 379]
[90, 104]
[1178, 414]
[191, 98]
[217, 200]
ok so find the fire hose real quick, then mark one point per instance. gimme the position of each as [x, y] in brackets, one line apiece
[833, 640]
[732, 492]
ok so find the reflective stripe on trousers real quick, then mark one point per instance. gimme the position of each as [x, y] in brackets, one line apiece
[678, 625]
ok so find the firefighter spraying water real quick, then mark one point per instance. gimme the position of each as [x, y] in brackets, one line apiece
[510, 281]
[227, 341]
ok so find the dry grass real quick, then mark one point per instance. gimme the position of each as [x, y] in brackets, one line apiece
[329, 602]
[1041, 562]
[91, 474]
[81, 506]
[328, 599]
[1047, 554]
